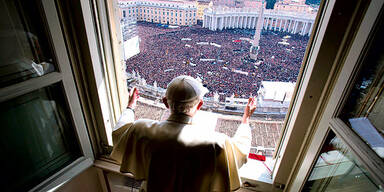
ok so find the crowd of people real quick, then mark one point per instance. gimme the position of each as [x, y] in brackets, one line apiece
[219, 58]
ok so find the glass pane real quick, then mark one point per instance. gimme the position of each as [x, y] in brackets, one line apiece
[37, 138]
[337, 169]
[364, 108]
[236, 48]
[25, 50]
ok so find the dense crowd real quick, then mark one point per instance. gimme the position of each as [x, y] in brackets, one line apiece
[219, 58]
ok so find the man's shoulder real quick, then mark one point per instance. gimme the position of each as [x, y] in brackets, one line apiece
[198, 135]
[145, 123]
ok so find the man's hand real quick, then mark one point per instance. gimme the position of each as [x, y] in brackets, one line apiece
[249, 109]
[133, 96]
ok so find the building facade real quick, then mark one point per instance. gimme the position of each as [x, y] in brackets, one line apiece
[201, 6]
[219, 18]
[293, 6]
[181, 13]
[228, 3]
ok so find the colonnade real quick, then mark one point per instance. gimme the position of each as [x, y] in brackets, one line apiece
[275, 22]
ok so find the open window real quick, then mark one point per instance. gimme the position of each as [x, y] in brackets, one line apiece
[154, 41]
[44, 140]
[130, 31]
[345, 150]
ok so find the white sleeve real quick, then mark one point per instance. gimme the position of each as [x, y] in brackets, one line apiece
[128, 116]
[243, 138]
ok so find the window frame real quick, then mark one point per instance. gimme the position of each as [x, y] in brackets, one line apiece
[306, 91]
[294, 129]
[340, 84]
[63, 75]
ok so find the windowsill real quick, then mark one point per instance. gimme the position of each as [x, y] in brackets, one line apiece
[110, 166]
[255, 170]
[253, 173]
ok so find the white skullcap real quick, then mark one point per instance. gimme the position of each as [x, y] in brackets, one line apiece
[185, 89]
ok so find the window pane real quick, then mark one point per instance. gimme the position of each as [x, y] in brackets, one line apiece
[337, 169]
[364, 108]
[25, 50]
[37, 138]
[237, 52]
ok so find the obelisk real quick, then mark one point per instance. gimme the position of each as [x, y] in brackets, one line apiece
[256, 38]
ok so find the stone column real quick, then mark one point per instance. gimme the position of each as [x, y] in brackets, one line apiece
[306, 28]
[275, 24]
[238, 20]
[289, 26]
[239, 23]
[310, 30]
[303, 29]
[265, 23]
[204, 21]
[270, 20]
[251, 22]
[244, 22]
[208, 22]
[236, 24]
[216, 23]
[294, 26]
[233, 22]
[227, 24]
[222, 23]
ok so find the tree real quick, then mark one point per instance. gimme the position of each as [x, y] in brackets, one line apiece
[312, 2]
[270, 4]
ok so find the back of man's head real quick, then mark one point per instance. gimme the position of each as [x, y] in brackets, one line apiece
[183, 93]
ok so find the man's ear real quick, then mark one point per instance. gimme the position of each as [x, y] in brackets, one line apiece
[165, 102]
[200, 104]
